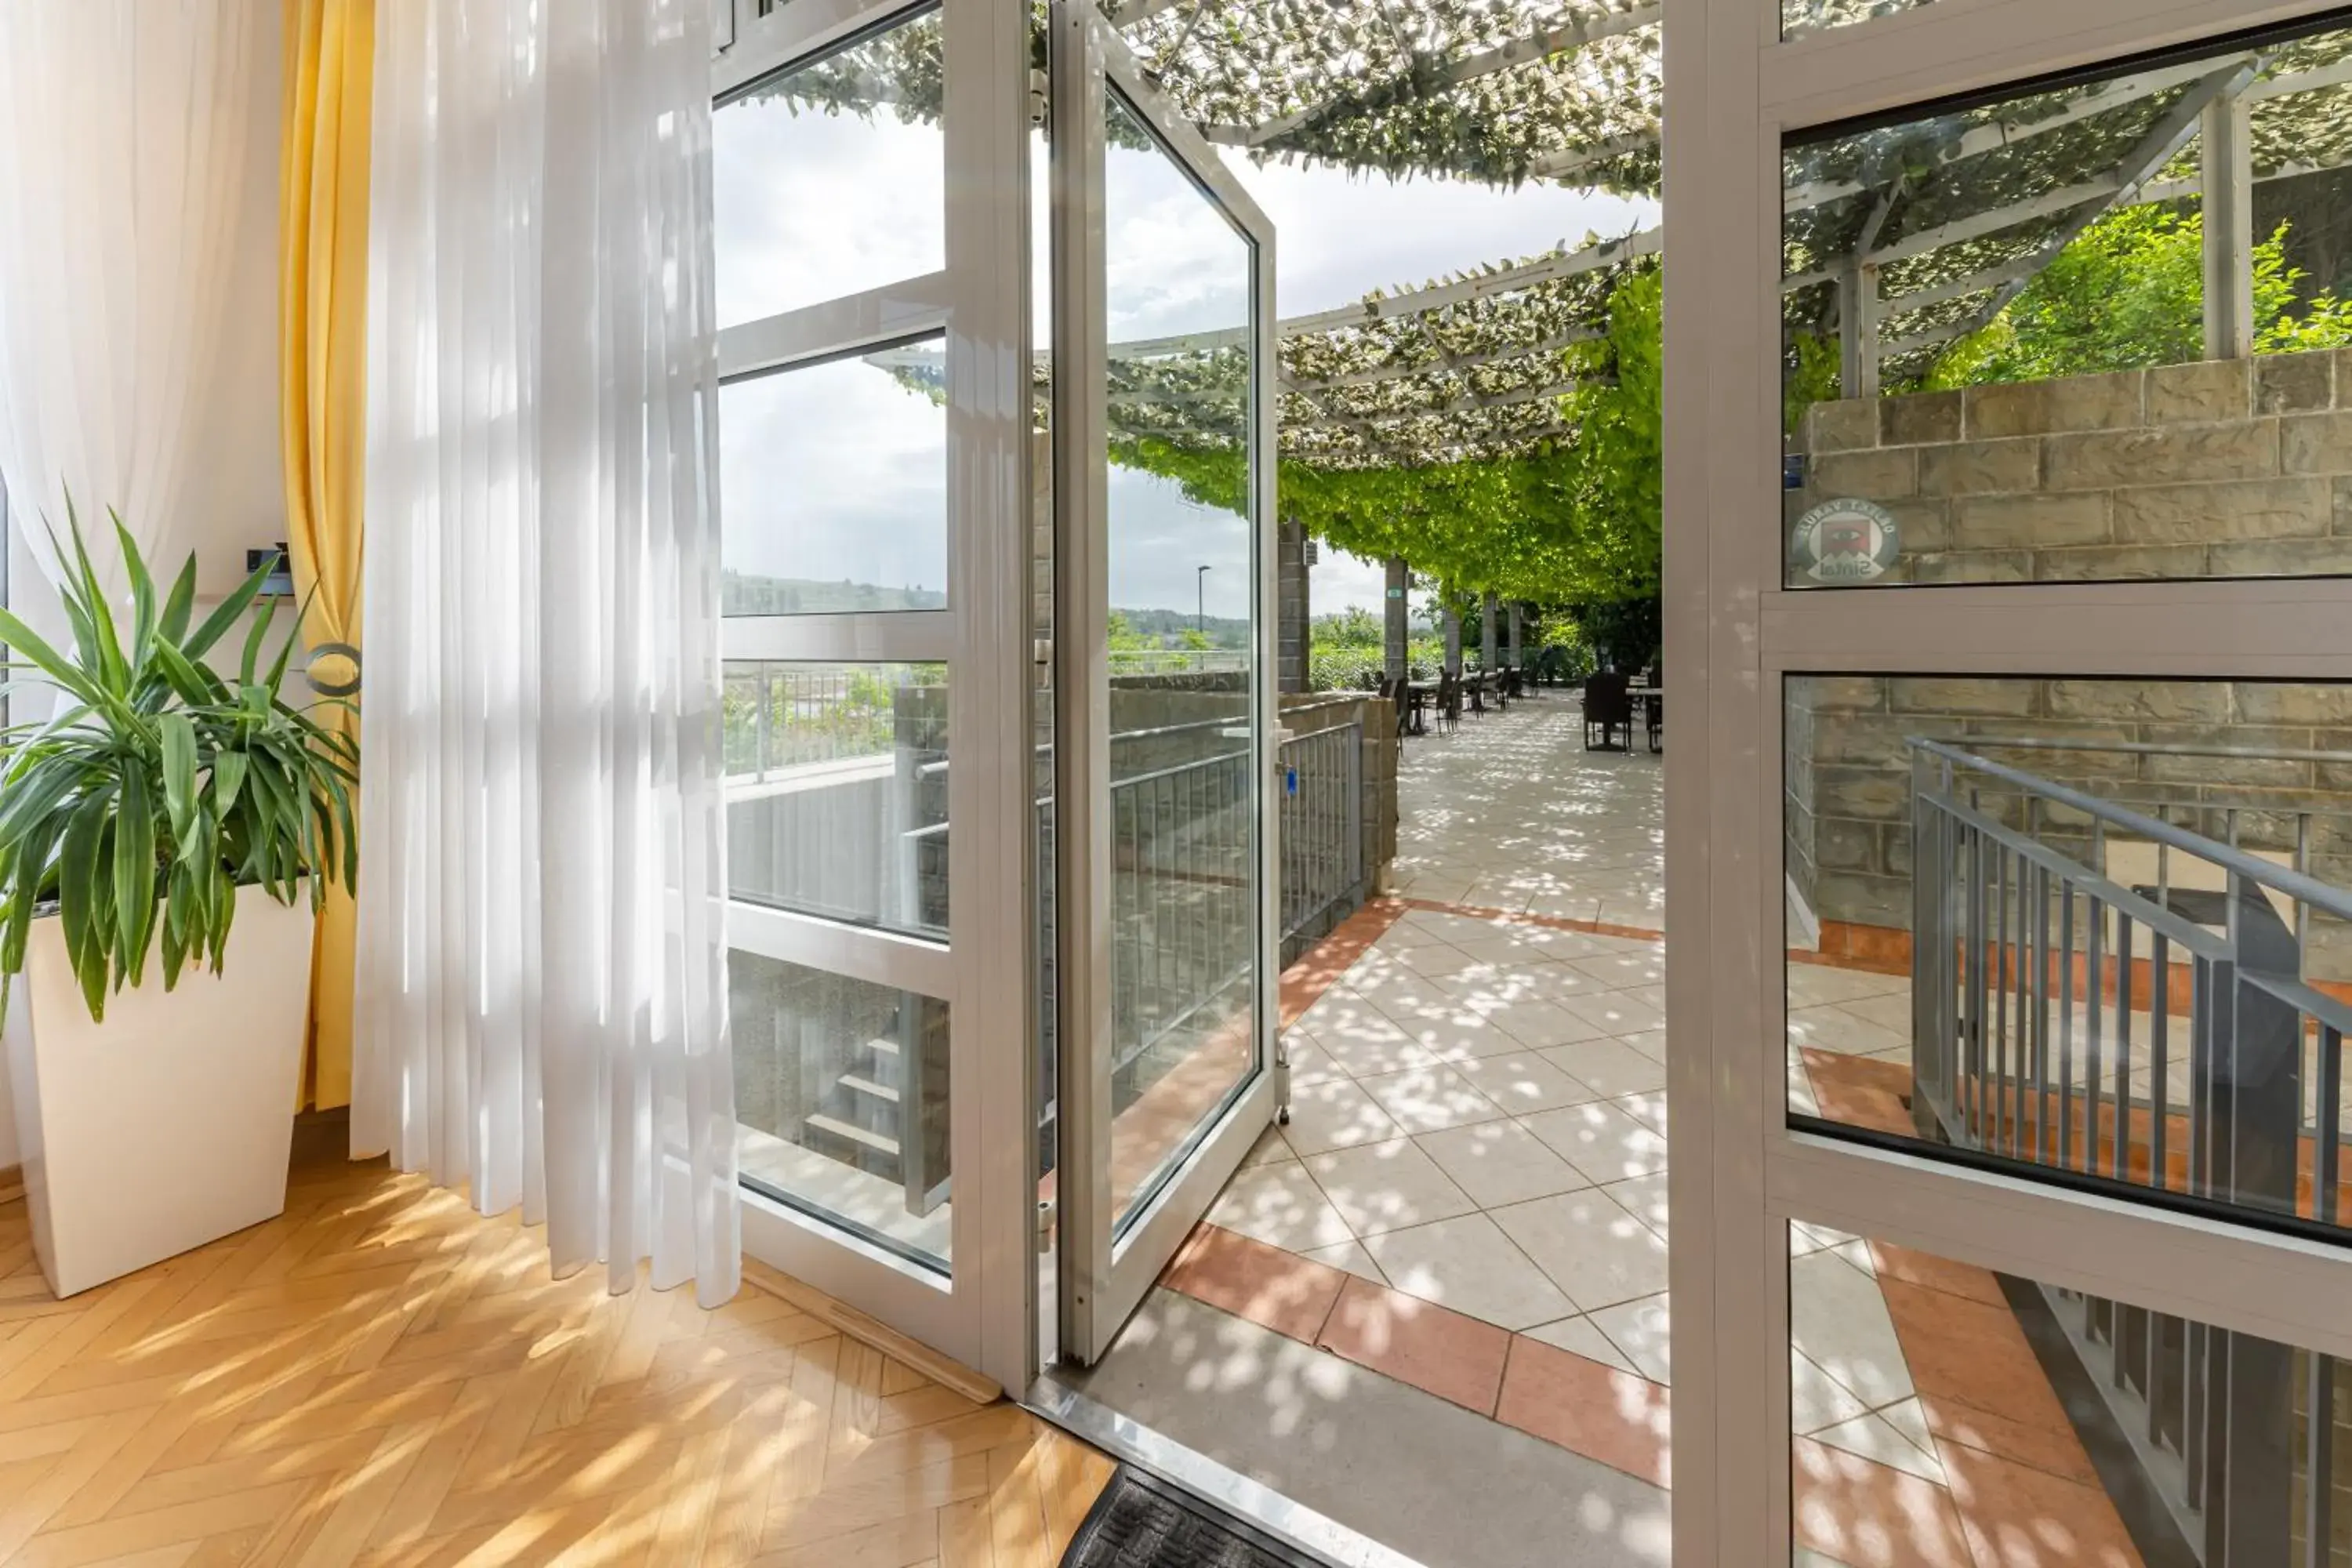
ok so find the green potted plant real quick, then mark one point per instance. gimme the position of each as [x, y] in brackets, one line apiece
[165, 835]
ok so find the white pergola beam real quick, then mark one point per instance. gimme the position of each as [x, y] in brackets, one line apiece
[1575, 34]
[2226, 162]
[1451, 363]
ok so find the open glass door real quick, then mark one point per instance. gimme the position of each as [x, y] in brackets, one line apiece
[1165, 707]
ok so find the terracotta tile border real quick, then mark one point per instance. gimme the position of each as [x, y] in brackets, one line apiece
[1596, 1411]
[1548, 922]
[1320, 967]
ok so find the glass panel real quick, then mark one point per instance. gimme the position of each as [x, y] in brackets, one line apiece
[2097, 927]
[1946, 1413]
[837, 790]
[1798, 17]
[1183, 634]
[841, 1090]
[833, 486]
[2005, 361]
[830, 178]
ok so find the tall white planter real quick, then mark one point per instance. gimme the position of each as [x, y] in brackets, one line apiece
[170, 1124]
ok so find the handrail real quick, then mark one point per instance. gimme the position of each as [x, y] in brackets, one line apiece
[2293, 884]
[2160, 749]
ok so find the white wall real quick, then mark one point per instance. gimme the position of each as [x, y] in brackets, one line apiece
[239, 499]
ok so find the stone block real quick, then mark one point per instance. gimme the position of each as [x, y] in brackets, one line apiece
[2293, 704]
[1920, 419]
[1976, 467]
[1839, 693]
[1967, 566]
[2042, 408]
[2247, 450]
[2316, 444]
[1840, 843]
[1870, 476]
[1875, 794]
[1865, 900]
[2141, 701]
[2120, 563]
[1925, 524]
[1842, 426]
[1963, 695]
[2343, 522]
[2204, 393]
[2295, 384]
[1862, 741]
[2010, 521]
[2240, 509]
[2326, 557]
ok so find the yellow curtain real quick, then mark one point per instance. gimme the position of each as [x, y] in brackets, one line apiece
[322, 311]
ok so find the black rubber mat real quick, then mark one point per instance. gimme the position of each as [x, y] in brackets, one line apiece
[1140, 1522]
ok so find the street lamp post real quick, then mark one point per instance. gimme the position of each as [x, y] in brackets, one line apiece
[1201, 601]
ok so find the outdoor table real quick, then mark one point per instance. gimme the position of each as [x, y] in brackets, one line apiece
[1644, 695]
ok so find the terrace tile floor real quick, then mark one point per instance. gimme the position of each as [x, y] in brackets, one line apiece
[1469, 1200]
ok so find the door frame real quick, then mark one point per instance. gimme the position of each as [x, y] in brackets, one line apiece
[981, 1312]
[1739, 1175]
[1106, 1270]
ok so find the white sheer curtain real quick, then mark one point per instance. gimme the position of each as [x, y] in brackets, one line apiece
[542, 988]
[123, 128]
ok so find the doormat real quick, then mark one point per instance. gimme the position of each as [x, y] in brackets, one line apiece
[1142, 1521]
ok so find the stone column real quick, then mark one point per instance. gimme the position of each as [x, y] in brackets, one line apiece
[1396, 628]
[1452, 621]
[2226, 151]
[1293, 633]
[1517, 659]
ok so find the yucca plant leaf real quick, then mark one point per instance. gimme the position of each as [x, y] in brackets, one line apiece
[225, 614]
[179, 772]
[34, 793]
[35, 649]
[78, 869]
[143, 594]
[179, 605]
[255, 636]
[134, 875]
[229, 777]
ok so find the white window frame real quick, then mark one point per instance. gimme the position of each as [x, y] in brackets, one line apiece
[1738, 1175]
[981, 1312]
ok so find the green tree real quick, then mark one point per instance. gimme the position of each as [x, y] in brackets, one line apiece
[2128, 294]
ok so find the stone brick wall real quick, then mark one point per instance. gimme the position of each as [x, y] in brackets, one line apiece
[2226, 468]
[1848, 776]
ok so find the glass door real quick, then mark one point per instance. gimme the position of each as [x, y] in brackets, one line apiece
[1164, 561]
[2008, 608]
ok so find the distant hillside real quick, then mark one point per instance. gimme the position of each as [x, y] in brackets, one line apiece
[743, 594]
[1168, 624]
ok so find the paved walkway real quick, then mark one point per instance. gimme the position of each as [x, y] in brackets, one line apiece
[1470, 1198]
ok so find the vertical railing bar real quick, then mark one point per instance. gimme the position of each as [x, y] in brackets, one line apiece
[2302, 909]
[2319, 1462]
[2041, 1014]
[1999, 1052]
[2159, 1089]
[2328, 1145]
[2123, 1042]
[1972, 1072]
[2095, 983]
[2066, 1023]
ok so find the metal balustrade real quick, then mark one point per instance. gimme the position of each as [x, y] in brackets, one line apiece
[2160, 1035]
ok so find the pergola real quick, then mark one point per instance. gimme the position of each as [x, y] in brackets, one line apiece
[1899, 240]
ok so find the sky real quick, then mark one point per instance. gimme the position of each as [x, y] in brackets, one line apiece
[839, 471]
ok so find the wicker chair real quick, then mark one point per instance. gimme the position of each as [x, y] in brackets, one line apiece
[1608, 705]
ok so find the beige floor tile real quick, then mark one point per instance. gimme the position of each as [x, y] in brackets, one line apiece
[1537, 1024]
[1499, 1163]
[1649, 1109]
[1644, 1331]
[1280, 1206]
[1335, 1114]
[1876, 1439]
[1350, 1256]
[1309, 1062]
[1819, 984]
[1577, 1336]
[1601, 1141]
[1838, 1319]
[1469, 1265]
[1628, 1012]
[1651, 1042]
[1644, 1197]
[1623, 971]
[1387, 1186]
[1524, 1081]
[1832, 1028]
[1610, 1067]
[1270, 1150]
[1430, 1099]
[1590, 1248]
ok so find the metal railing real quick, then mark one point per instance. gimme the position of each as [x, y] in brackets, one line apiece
[2158, 1035]
[1322, 824]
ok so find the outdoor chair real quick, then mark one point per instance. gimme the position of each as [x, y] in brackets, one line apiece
[1608, 705]
[1656, 707]
[1449, 701]
[1477, 684]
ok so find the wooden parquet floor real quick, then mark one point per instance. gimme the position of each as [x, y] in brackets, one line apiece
[382, 1377]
